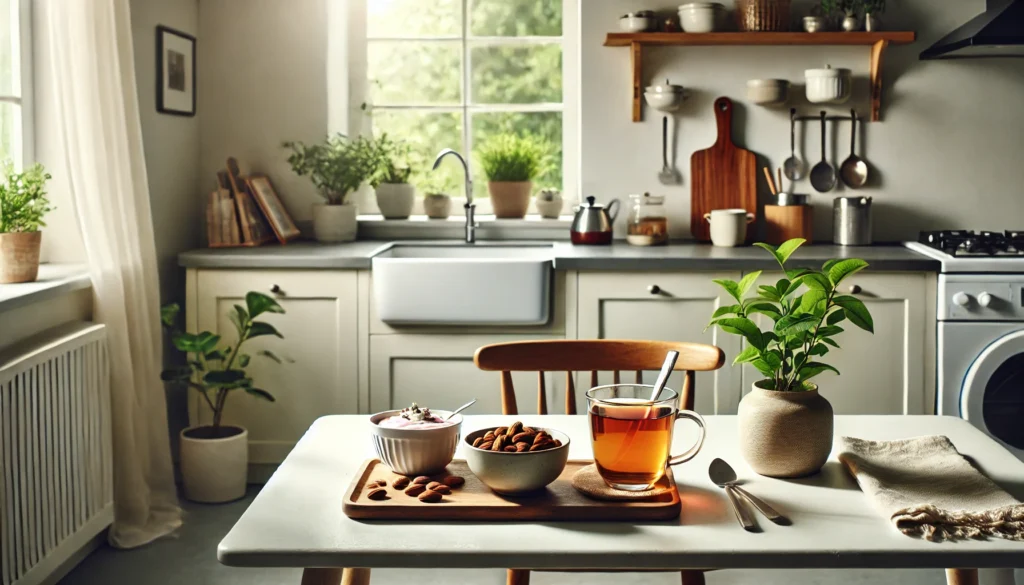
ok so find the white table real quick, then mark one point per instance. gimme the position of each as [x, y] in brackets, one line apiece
[297, 519]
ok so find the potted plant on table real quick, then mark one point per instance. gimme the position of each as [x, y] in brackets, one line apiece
[785, 426]
[215, 457]
[337, 167]
[23, 204]
[390, 179]
[511, 163]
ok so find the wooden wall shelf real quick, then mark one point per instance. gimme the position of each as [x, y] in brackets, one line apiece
[878, 41]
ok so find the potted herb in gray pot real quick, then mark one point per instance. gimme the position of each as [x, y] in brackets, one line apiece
[511, 163]
[390, 180]
[215, 457]
[785, 426]
[23, 204]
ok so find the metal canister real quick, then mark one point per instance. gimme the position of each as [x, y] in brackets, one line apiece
[851, 221]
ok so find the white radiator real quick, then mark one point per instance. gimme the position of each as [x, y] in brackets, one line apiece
[56, 491]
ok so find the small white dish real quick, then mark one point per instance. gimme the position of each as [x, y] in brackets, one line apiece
[699, 17]
[517, 473]
[416, 451]
[664, 97]
[768, 92]
[828, 85]
[634, 22]
[815, 24]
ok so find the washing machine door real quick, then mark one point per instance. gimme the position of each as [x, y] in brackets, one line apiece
[992, 394]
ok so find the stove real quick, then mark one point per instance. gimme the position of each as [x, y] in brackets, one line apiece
[969, 251]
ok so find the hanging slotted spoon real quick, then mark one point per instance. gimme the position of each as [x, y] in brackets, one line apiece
[668, 175]
[823, 175]
[794, 167]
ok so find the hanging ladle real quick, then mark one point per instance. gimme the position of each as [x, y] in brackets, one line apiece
[854, 170]
[823, 175]
[794, 167]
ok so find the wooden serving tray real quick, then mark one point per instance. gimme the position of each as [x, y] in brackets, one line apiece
[475, 501]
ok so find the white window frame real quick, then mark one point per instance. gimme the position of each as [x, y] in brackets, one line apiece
[21, 83]
[352, 120]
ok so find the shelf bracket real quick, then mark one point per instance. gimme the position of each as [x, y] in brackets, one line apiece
[877, 52]
[636, 61]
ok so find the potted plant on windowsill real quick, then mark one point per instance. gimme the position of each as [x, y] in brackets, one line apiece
[23, 204]
[785, 426]
[215, 457]
[337, 167]
[511, 163]
[390, 180]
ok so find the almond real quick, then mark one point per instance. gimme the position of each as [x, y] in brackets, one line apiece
[510, 449]
[441, 489]
[541, 436]
[558, 443]
[520, 447]
[527, 429]
[379, 483]
[477, 441]
[453, 481]
[422, 479]
[542, 446]
[499, 443]
[400, 483]
[430, 497]
[433, 485]
[489, 436]
[514, 429]
[486, 446]
[524, 437]
[378, 494]
[500, 431]
[415, 490]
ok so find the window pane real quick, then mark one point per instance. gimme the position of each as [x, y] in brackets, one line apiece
[8, 42]
[10, 133]
[415, 73]
[517, 75]
[544, 125]
[413, 18]
[426, 133]
[516, 18]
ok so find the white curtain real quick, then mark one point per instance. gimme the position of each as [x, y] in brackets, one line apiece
[93, 75]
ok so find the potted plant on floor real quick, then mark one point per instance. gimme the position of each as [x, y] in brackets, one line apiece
[23, 204]
[215, 457]
[390, 180]
[511, 163]
[785, 426]
[337, 167]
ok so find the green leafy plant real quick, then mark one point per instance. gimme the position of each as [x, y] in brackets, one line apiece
[874, 6]
[390, 161]
[337, 166]
[212, 371]
[804, 326]
[508, 157]
[847, 7]
[23, 201]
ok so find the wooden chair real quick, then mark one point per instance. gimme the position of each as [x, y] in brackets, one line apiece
[593, 355]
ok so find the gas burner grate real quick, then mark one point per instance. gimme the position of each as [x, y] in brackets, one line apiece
[971, 243]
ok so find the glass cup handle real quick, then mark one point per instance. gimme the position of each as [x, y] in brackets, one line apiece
[692, 451]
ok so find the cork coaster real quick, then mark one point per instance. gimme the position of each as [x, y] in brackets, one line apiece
[588, 481]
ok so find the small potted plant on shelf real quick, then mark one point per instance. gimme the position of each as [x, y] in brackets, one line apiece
[848, 8]
[337, 167]
[215, 457]
[549, 203]
[511, 163]
[390, 180]
[437, 204]
[785, 426]
[873, 9]
[23, 204]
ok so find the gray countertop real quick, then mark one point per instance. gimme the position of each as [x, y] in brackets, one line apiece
[619, 257]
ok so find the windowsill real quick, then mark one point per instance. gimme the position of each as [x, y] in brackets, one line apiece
[489, 227]
[54, 280]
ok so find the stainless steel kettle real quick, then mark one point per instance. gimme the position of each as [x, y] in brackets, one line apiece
[592, 224]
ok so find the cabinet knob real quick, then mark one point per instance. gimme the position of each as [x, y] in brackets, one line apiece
[276, 290]
[654, 289]
[855, 289]
[985, 299]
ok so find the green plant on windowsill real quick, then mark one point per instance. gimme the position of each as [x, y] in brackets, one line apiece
[390, 162]
[215, 372]
[804, 326]
[23, 201]
[338, 166]
[510, 158]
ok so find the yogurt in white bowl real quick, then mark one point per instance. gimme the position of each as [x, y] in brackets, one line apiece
[415, 441]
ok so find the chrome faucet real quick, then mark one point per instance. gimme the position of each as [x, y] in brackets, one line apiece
[470, 207]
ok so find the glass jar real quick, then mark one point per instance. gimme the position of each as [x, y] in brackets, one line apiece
[648, 222]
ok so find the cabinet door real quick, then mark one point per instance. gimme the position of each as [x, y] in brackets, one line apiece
[883, 373]
[319, 376]
[662, 307]
[438, 371]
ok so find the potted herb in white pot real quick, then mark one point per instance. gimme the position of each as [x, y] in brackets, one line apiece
[511, 163]
[390, 180]
[23, 204]
[337, 167]
[437, 203]
[215, 457]
[785, 426]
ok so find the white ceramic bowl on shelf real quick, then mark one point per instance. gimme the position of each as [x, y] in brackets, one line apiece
[828, 85]
[516, 473]
[416, 451]
[635, 22]
[700, 17]
[664, 97]
[768, 92]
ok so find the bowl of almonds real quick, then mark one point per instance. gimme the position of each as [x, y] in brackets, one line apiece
[516, 459]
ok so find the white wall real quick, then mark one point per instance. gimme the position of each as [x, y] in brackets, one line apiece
[947, 153]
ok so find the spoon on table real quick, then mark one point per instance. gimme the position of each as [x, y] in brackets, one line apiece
[724, 476]
[460, 409]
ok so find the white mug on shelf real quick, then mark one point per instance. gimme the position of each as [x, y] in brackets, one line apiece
[729, 226]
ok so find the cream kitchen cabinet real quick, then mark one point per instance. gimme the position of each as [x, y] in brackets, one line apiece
[672, 306]
[888, 372]
[320, 373]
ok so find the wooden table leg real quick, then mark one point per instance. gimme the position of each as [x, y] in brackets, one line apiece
[692, 577]
[321, 576]
[517, 577]
[961, 576]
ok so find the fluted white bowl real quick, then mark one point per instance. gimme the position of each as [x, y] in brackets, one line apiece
[423, 451]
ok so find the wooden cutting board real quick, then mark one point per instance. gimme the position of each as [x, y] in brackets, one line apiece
[475, 501]
[721, 177]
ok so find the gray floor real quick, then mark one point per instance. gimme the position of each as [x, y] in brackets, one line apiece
[190, 557]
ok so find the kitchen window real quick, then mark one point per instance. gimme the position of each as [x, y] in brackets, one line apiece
[15, 81]
[454, 73]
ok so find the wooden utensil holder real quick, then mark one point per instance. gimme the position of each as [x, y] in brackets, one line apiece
[785, 222]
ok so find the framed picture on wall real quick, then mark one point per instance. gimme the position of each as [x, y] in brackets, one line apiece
[263, 192]
[176, 72]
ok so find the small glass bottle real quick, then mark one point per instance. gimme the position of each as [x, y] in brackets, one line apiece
[648, 223]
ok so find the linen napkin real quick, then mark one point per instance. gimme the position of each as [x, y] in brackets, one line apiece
[928, 489]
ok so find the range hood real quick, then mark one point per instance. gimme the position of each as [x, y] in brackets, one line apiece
[997, 32]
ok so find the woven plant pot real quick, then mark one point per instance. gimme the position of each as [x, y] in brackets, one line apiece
[19, 256]
[762, 15]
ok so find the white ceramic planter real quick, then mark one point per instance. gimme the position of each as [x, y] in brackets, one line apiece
[395, 200]
[334, 223]
[214, 470]
[785, 434]
[437, 205]
[549, 203]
